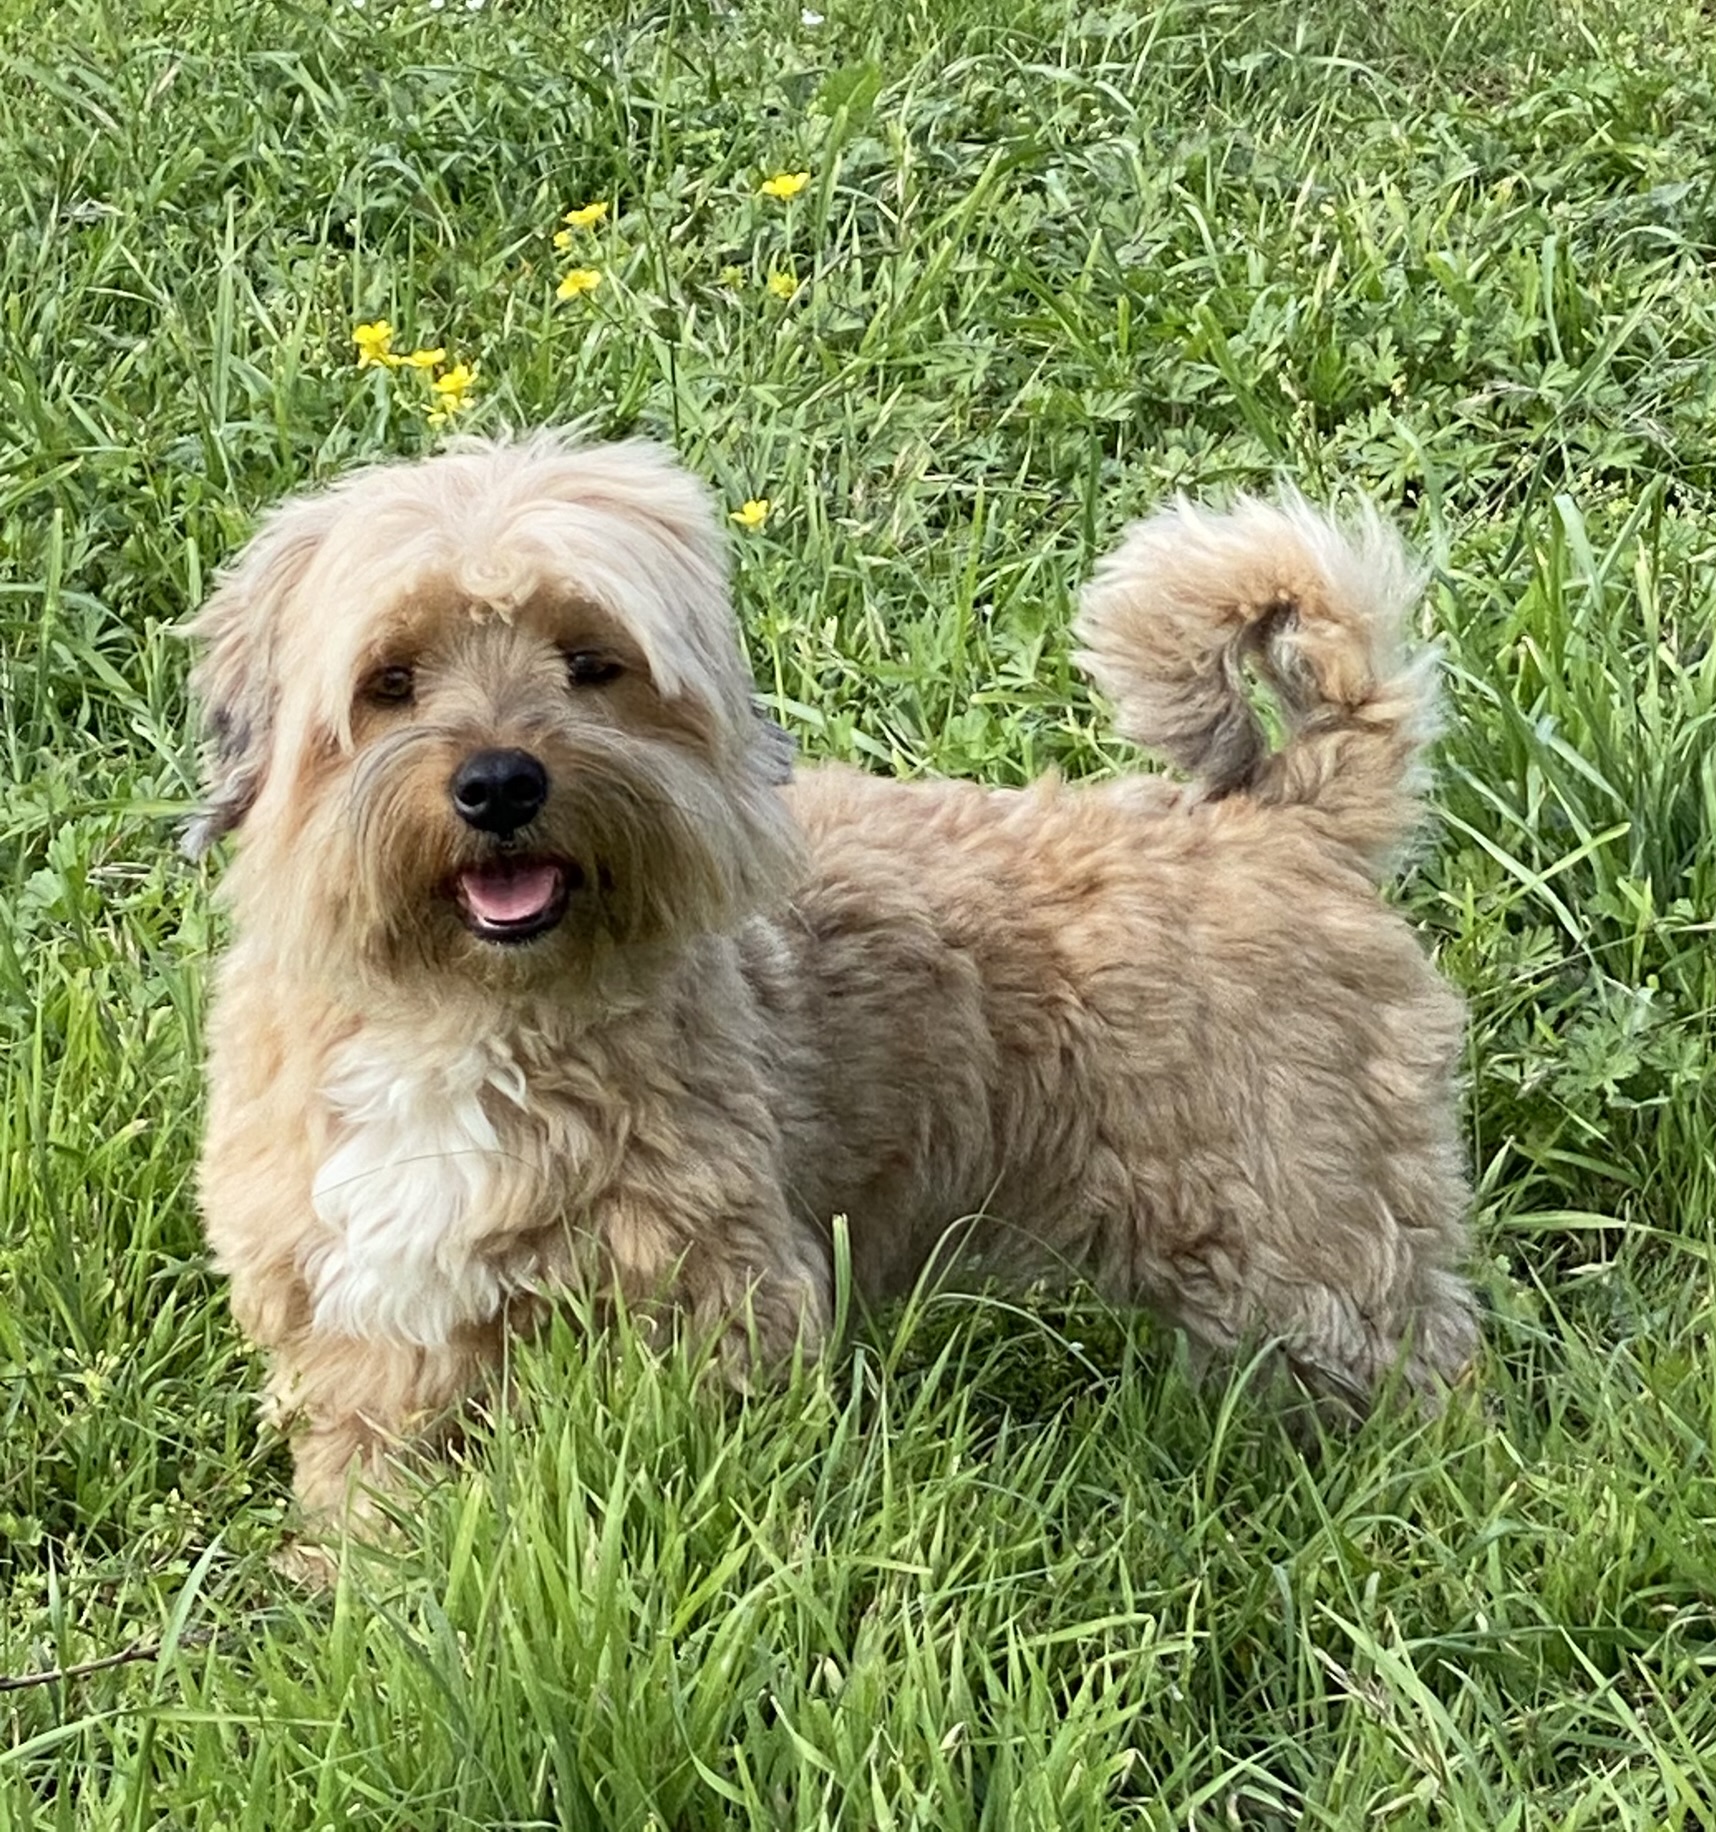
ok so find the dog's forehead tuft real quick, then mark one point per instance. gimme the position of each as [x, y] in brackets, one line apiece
[441, 623]
[481, 610]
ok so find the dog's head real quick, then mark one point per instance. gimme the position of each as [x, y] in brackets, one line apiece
[489, 711]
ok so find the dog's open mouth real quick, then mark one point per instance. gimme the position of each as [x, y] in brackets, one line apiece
[514, 899]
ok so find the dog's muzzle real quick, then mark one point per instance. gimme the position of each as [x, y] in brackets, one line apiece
[515, 895]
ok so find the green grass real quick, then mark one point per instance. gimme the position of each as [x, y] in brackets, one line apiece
[1000, 1565]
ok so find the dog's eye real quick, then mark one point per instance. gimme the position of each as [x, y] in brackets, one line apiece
[391, 686]
[591, 668]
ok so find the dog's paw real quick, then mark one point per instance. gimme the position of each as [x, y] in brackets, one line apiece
[309, 1564]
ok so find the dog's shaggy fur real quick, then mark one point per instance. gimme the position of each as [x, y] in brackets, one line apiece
[621, 1012]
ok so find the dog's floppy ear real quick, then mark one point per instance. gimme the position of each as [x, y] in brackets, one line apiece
[234, 681]
[774, 747]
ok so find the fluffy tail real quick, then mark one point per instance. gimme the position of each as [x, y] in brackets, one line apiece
[1191, 601]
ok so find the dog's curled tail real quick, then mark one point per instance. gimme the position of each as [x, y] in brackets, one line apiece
[1191, 600]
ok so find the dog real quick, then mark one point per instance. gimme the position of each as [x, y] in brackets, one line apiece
[549, 974]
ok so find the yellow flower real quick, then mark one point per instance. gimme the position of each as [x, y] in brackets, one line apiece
[375, 344]
[586, 216]
[579, 280]
[449, 393]
[753, 514]
[783, 283]
[785, 185]
[733, 276]
[423, 359]
[456, 383]
[563, 239]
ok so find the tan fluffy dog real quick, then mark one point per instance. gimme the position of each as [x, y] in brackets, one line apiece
[542, 979]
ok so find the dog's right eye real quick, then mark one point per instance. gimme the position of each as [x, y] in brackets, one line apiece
[391, 686]
[591, 668]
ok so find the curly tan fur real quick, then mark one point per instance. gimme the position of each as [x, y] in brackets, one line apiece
[1161, 1036]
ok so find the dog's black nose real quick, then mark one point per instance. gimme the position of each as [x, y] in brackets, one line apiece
[499, 791]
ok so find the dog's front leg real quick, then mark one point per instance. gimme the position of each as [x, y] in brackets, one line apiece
[739, 1273]
[351, 1406]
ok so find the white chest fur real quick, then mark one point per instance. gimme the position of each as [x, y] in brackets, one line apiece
[412, 1192]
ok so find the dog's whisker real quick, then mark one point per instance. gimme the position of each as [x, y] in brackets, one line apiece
[486, 1153]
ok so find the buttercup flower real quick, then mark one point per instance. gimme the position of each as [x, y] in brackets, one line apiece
[579, 280]
[375, 344]
[450, 391]
[785, 185]
[423, 359]
[753, 514]
[586, 216]
[783, 283]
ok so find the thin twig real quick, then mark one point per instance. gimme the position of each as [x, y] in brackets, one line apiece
[138, 1650]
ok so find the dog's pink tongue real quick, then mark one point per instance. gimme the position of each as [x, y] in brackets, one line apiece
[509, 893]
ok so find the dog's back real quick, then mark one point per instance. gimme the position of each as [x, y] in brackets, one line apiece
[1164, 1036]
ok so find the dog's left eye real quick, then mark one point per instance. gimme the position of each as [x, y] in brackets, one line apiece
[591, 668]
[390, 686]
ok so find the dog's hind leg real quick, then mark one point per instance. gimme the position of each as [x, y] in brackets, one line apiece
[1341, 1343]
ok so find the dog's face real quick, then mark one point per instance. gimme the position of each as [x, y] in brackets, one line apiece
[489, 713]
